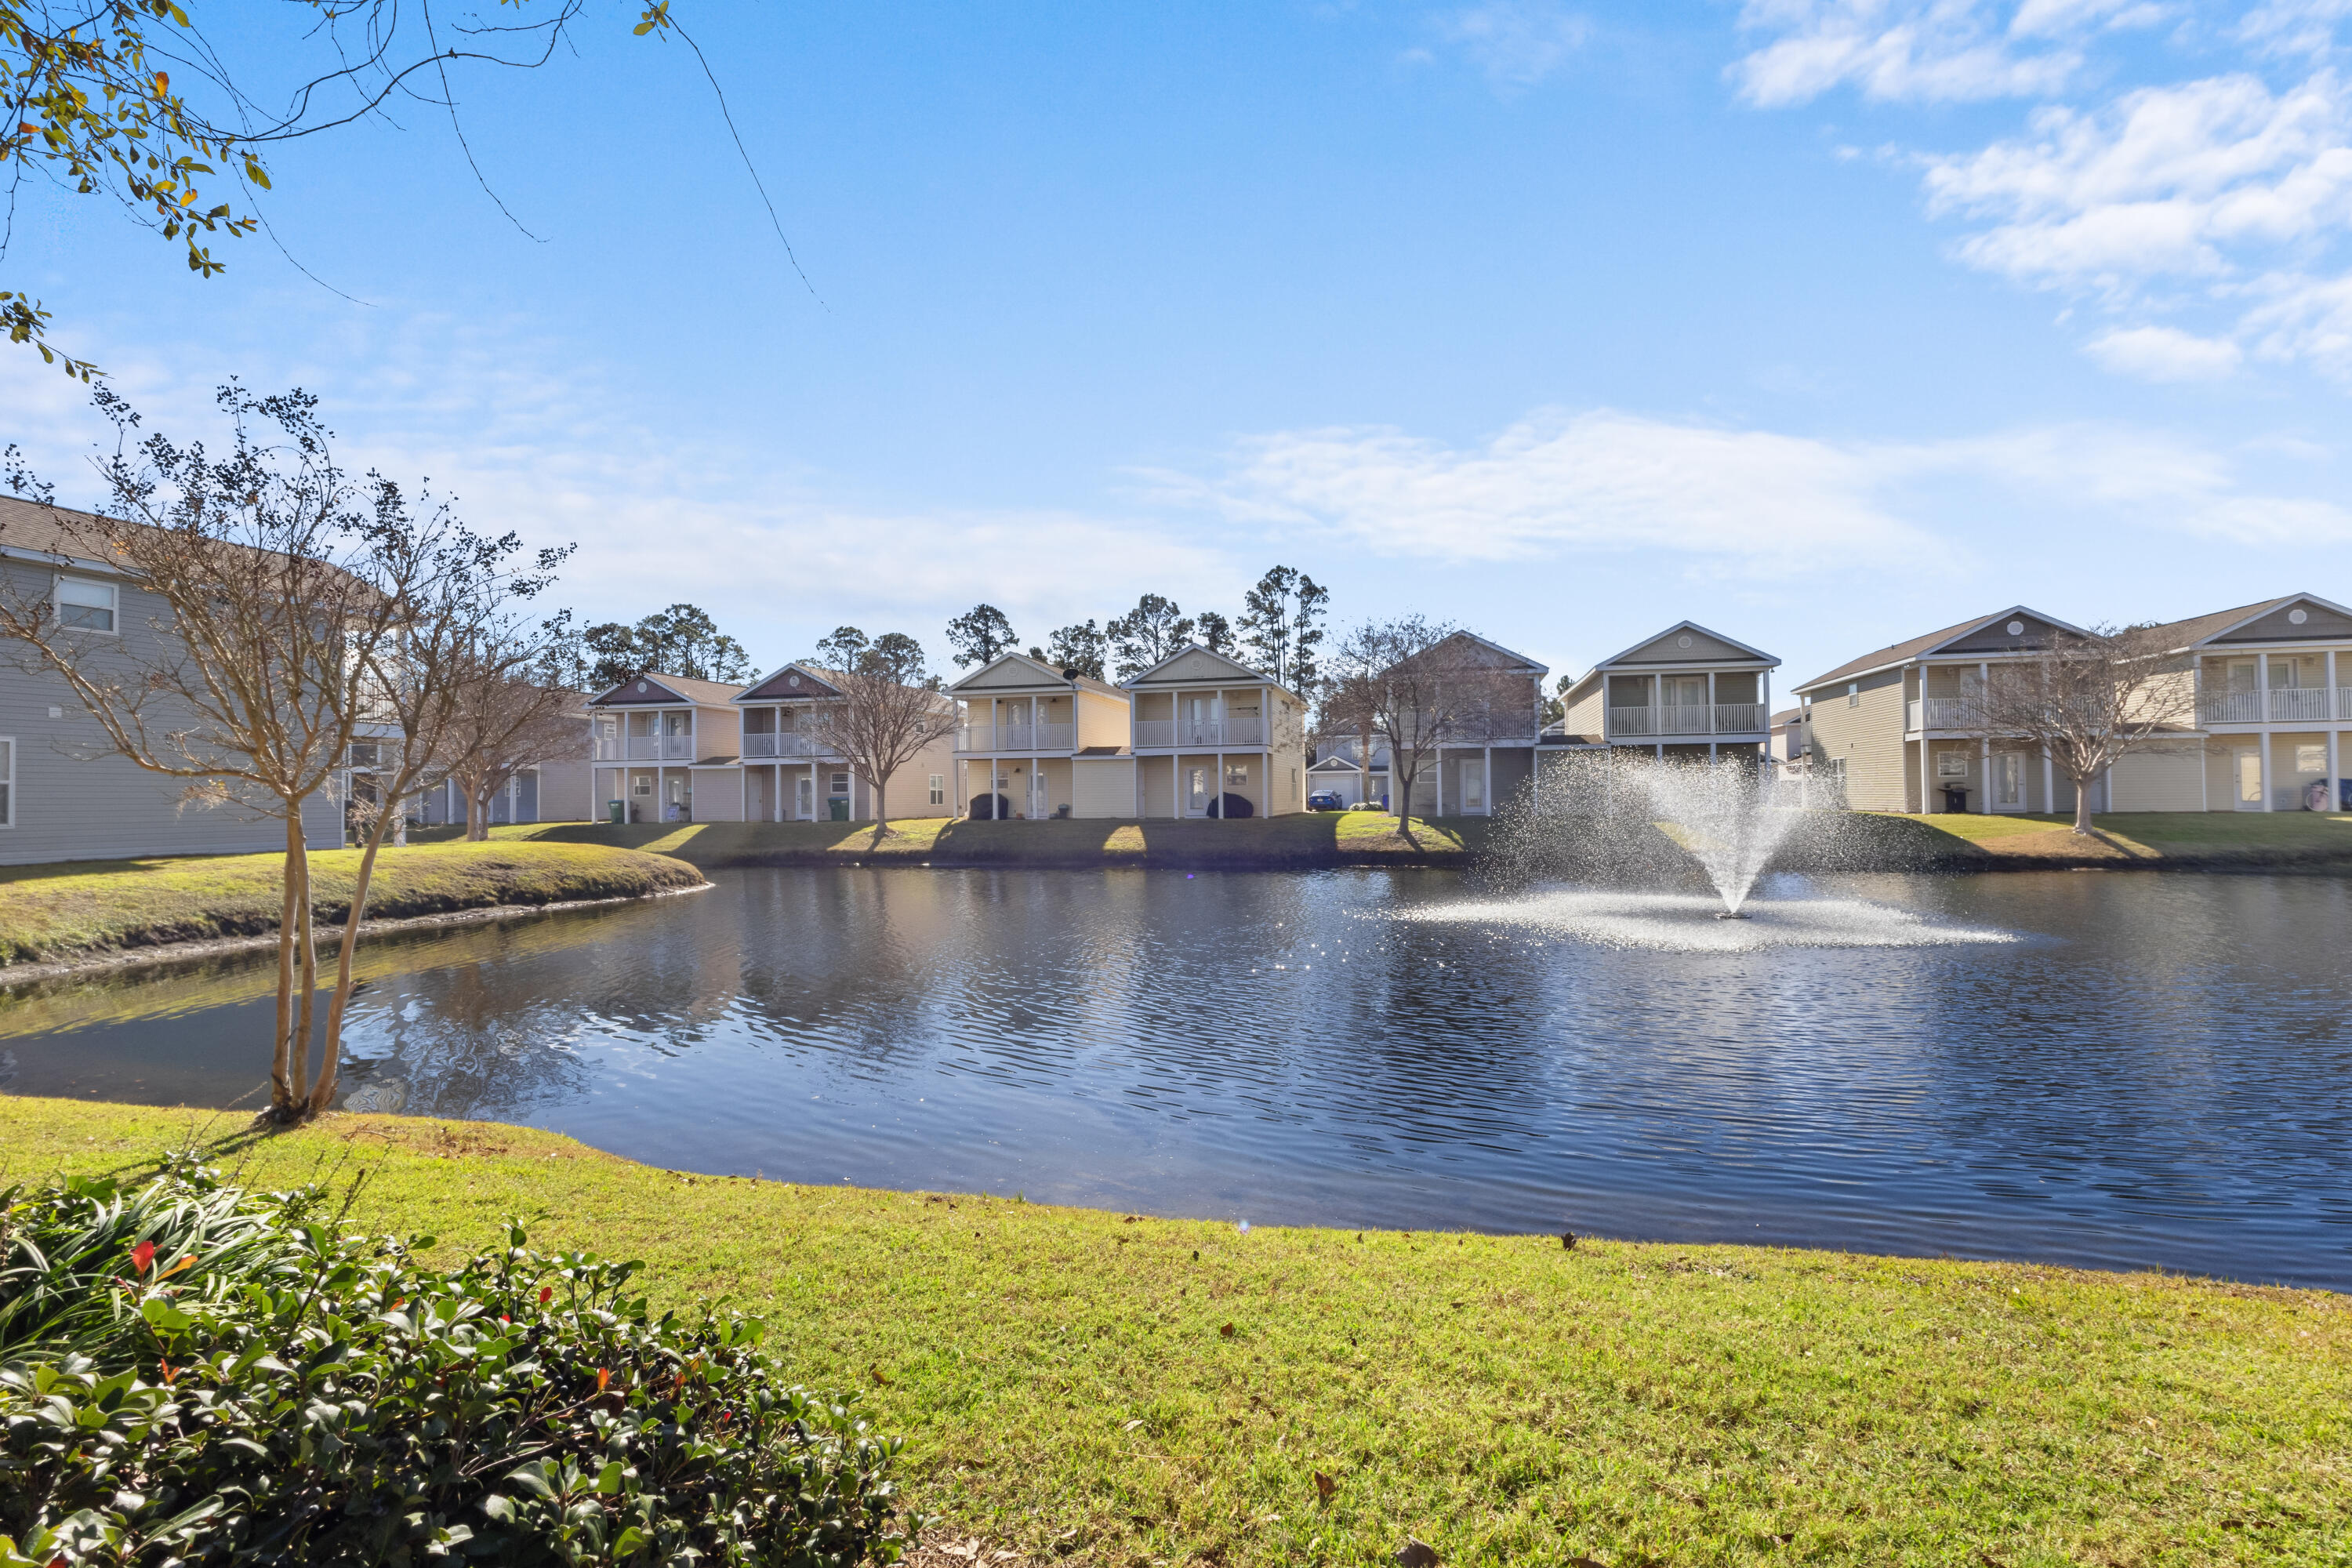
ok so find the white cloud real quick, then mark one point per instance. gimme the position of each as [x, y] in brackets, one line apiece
[1557, 486]
[1922, 50]
[2164, 180]
[2294, 26]
[1517, 43]
[2165, 353]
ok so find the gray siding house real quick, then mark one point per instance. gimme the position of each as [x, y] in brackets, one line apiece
[65, 795]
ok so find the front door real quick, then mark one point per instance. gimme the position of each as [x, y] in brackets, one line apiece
[2009, 781]
[803, 799]
[1038, 809]
[2249, 773]
[1199, 717]
[1196, 792]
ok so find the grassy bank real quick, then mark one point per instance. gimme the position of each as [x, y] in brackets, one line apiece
[2187, 840]
[79, 908]
[1138, 1392]
[1277, 843]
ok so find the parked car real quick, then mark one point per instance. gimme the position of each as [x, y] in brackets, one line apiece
[1325, 800]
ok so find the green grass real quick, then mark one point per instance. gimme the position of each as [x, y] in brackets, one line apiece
[1067, 1384]
[82, 907]
[2188, 838]
[1305, 840]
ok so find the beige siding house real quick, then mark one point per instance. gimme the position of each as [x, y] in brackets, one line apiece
[786, 773]
[1036, 743]
[1471, 775]
[2273, 688]
[1892, 727]
[1686, 692]
[656, 737]
[1216, 737]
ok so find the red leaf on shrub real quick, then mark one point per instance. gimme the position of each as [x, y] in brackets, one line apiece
[142, 1256]
[169, 1376]
[604, 1378]
[546, 1294]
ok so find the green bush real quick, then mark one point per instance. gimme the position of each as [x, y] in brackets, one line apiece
[329, 1399]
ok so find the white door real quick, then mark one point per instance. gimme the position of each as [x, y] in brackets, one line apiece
[1474, 787]
[1038, 809]
[2009, 781]
[1196, 797]
[1200, 719]
[804, 798]
[2249, 766]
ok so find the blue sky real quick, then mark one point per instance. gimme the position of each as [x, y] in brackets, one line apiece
[1821, 322]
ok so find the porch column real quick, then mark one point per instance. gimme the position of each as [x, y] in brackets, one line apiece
[2049, 784]
[1488, 763]
[1710, 713]
[1764, 697]
[1218, 796]
[1984, 779]
[1926, 784]
[2335, 790]
[1176, 787]
[1440, 768]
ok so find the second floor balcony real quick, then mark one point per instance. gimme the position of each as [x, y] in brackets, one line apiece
[1229, 731]
[644, 748]
[1677, 718]
[1042, 736]
[2285, 705]
[785, 743]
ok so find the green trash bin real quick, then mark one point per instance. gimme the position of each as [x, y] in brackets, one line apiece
[840, 810]
[618, 812]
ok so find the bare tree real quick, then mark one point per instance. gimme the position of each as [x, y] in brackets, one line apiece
[278, 581]
[1417, 684]
[887, 711]
[2086, 701]
[505, 722]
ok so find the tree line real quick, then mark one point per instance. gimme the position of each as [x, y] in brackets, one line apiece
[1279, 633]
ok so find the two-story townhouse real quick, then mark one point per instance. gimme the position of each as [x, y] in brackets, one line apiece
[1036, 743]
[554, 789]
[654, 736]
[1487, 759]
[788, 773]
[2273, 689]
[1216, 737]
[1893, 726]
[1687, 692]
[65, 794]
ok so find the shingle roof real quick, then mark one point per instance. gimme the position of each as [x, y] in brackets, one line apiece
[29, 525]
[1895, 653]
[2197, 628]
[717, 693]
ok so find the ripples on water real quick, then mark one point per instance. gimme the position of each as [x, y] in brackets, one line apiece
[2121, 1071]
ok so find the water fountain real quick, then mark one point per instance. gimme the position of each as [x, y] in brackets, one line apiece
[1722, 818]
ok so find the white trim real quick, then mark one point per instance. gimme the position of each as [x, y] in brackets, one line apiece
[2272, 608]
[113, 591]
[8, 784]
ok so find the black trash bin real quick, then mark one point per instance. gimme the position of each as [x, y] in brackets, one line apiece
[1956, 798]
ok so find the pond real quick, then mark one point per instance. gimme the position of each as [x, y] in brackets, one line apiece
[2118, 1071]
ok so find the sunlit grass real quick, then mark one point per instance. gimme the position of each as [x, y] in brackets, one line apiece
[2202, 837]
[61, 910]
[1067, 1381]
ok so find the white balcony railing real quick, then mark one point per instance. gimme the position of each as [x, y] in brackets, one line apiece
[1043, 737]
[645, 749]
[2230, 708]
[783, 743]
[1687, 719]
[1230, 732]
[2298, 703]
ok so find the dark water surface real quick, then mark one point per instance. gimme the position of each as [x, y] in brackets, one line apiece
[2110, 1069]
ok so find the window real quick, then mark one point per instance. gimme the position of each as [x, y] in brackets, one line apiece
[7, 783]
[641, 785]
[1951, 764]
[1853, 693]
[2310, 758]
[938, 789]
[85, 605]
[364, 753]
[840, 783]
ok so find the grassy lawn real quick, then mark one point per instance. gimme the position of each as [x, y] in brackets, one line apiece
[75, 906]
[2252, 838]
[1319, 839]
[1140, 1392]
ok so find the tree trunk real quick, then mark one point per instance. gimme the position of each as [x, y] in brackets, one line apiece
[281, 1072]
[2082, 807]
[477, 816]
[881, 808]
[322, 1093]
[306, 957]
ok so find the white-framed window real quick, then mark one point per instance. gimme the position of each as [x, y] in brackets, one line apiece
[1951, 764]
[840, 783]
[7, 781]
[1853, 693]
[938, 789]
[641, 785]
[85, 604]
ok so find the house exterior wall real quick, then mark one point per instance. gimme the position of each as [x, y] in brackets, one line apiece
[1104, 787]
[70, 801]
[1104, 722]
[2170, 779]
[1866, 738]
[1584, 712]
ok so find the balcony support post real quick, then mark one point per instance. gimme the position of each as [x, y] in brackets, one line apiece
[1710, 713]
[2049, 784]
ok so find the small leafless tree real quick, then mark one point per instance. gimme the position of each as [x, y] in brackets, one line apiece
[506, 722]
[1418, 685]
[887, 713]
[277, 578]
[2087, 701]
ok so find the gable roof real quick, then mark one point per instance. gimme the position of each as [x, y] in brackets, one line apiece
[1029, 672]
[31, 527]
[671, 688]
[1522, 660]
[1918, 648]
[1754, 653]
[757, 691]
[2188, 634]
[1255, 677]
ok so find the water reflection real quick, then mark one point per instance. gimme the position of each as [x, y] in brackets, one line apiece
[2121, 1071]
